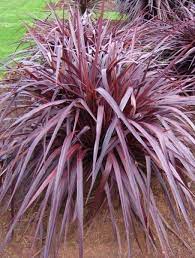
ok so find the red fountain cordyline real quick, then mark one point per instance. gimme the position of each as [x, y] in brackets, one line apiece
[86, 118]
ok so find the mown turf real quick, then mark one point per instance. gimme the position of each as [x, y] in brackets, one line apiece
[13, 14]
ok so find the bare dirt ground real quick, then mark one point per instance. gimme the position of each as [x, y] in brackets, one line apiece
[99, 239]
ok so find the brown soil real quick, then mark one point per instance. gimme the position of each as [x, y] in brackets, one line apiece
[99, 239]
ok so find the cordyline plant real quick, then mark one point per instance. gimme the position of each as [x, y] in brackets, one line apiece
[84, 5]
[87, 120]
[180, 45]
[166, 9]
[172, 42]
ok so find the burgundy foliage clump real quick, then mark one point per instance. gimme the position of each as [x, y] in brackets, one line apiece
[89, 118]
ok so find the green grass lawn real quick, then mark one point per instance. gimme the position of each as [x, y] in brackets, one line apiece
[13, 14]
